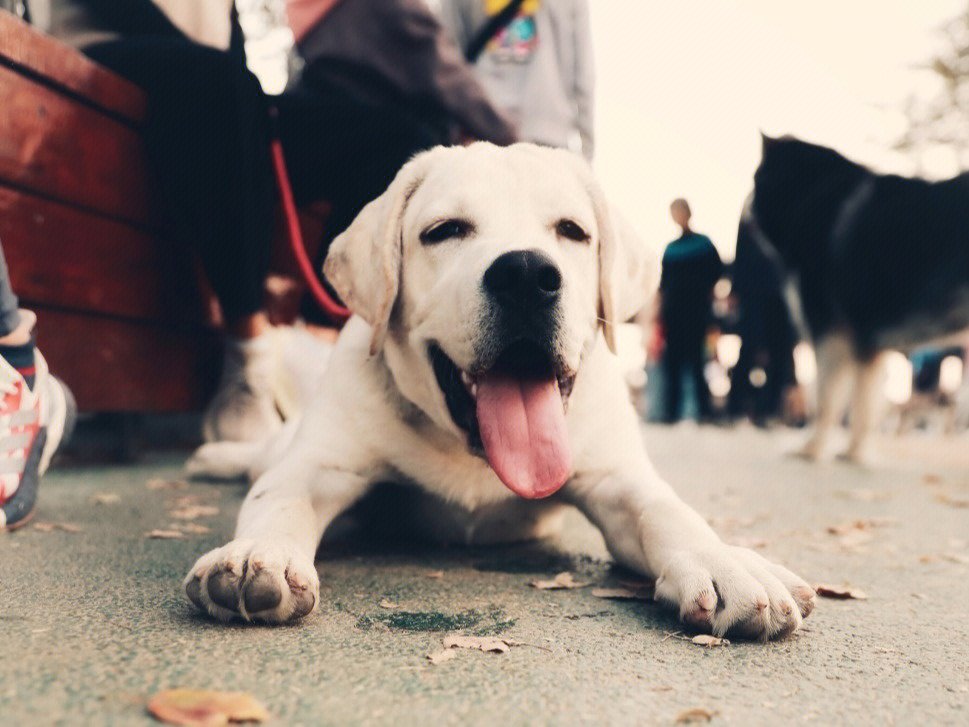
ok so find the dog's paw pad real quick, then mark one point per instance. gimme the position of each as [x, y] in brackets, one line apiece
[269, 582]
[262, 593]
[735, 591]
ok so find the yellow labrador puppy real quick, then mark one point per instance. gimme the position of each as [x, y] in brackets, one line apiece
[486, 284]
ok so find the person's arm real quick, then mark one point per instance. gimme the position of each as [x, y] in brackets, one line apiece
[435, 66]
[585, 77]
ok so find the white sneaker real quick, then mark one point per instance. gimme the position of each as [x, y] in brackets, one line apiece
[244, 406]
[33, 424]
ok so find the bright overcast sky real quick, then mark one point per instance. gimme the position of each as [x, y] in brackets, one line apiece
[684, 88]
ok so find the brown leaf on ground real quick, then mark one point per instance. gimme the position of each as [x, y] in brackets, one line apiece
[105, 498]
[160, 484]
[159, 534]
[479, 643]
[563, 581]
[750, 541]
[709, 641]
[930, 478]
[434, 574]
[191, 528]
[696, 714]
[49, 527]
[860, 525]
[952, 500]
[843, 593]
[191, 512]
[387, 603]
[205, 708]
[642, 593]
[865, 495]
[440, 657]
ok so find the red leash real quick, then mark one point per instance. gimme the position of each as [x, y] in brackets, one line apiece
[333, 308]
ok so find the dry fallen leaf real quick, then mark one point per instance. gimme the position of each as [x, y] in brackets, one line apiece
[386, 603]
[952, 500]
[434, 574]
[191, 528]
[191, 512]
[860, 524]
[709, 641]
[697, 714]
[205, 708]
[931, 478]
[441, 657]
[49, 527]
[160, 484]
[105, 498]
[563, 581]
[750, 541]
[643, 593]
[865, 495]
[159, 534]
[843, 593]
[479, 643]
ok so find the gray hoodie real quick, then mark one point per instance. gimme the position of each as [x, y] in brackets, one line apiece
[539, 71]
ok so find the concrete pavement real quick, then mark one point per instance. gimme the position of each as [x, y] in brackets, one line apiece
[93, 622]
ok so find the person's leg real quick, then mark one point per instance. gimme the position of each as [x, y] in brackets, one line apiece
[697, 363]
[207, 139]
[672, 381]
[343, 151]
[36, 410]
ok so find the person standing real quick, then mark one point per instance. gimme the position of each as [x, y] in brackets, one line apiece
[538, 68]
[691, 267]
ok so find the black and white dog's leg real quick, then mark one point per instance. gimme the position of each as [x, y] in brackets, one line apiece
[715, 587]
[867, 407]
[836, 363]
[267, 573]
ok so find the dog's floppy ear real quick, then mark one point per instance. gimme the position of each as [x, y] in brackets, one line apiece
[364, 262]
[629, 269]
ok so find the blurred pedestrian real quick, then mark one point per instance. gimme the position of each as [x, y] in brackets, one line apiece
[691, 268]
[534, 57]
[207, 140]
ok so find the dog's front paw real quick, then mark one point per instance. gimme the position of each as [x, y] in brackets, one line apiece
[273, 582]
[734, 591]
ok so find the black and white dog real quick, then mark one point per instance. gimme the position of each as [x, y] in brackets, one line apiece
[875, 261]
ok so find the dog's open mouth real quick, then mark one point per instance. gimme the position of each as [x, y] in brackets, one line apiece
[515, 412]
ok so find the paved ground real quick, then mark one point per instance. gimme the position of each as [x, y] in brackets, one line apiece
[93, 621]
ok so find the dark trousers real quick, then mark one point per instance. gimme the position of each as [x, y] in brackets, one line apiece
[9, 306]
[684, 354]
[207, 141]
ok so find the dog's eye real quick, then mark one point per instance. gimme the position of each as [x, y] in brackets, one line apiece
[571, 230]
[446, 230]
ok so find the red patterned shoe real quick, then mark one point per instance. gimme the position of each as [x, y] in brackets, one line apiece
[33, 423]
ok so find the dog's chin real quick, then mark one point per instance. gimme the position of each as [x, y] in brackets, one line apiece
[515, 426]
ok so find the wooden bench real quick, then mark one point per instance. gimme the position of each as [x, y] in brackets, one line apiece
[124, 315]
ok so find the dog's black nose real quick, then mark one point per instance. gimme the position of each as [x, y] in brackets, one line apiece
[527, 278]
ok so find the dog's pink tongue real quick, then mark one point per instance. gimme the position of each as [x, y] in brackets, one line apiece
[523, 428]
